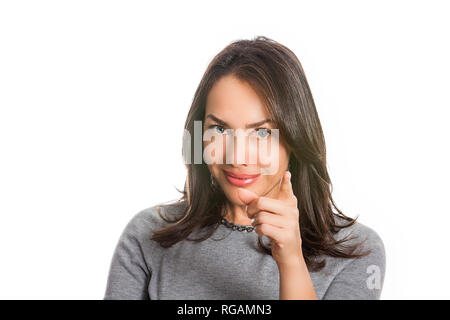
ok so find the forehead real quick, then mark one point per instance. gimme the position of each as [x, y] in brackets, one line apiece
[235, 102]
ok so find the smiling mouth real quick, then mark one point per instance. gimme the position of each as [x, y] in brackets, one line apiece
[241, 180]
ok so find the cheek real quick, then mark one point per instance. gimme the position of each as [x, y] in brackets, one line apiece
[271, 156]
[214, 151]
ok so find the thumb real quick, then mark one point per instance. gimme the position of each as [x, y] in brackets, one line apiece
[246, 196]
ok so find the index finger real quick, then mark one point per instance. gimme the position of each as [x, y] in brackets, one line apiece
[267, 204]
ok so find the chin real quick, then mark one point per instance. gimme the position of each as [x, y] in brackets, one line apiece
[232, 196]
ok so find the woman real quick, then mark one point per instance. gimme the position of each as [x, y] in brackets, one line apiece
[255, 220]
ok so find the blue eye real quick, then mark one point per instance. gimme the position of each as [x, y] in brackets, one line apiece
[265, 132]
[219, 129]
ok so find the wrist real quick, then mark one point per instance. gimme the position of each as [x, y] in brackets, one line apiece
[296, 263]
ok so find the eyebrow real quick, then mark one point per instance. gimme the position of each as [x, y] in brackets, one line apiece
[250, 125]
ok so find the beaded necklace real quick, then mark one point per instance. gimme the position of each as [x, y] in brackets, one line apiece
[234, 226]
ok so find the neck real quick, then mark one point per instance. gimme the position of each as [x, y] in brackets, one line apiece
[237, 214]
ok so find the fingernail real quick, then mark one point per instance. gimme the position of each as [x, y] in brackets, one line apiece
[253, 220]
[289, 174]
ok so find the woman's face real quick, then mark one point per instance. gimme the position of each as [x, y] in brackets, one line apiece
[232, 106]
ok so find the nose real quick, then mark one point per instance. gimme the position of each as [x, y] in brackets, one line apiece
[237, 151]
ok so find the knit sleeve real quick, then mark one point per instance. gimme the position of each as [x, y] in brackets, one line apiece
[361, 278]
[129, 274]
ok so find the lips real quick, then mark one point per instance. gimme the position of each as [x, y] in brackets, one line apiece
[240, 179]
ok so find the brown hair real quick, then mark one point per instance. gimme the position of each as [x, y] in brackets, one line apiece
[277, 76]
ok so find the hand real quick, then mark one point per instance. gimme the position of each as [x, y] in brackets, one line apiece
[278, 219]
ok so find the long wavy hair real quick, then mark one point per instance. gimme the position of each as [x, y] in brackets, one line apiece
[276, 75]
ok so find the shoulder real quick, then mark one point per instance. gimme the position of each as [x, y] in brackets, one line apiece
[359, 277]
[370, 244]
[366, 241]
[361, 233]
[145, 221]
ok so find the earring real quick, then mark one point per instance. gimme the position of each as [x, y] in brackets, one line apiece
[212, 181]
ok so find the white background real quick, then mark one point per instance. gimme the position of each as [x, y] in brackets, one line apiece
[94, 95]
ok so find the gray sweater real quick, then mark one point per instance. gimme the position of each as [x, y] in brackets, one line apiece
[228, 265]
